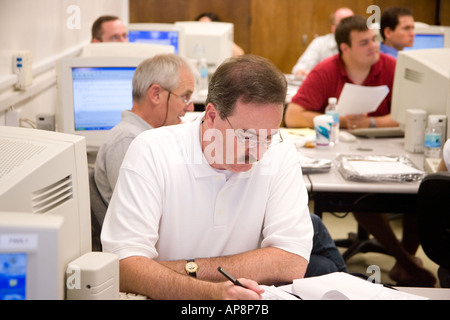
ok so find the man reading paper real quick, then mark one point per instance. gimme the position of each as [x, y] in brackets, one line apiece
[359, 62]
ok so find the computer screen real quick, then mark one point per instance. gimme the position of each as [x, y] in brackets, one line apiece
[44, 173]
[421, 81]
[93, 92]
[431, 37]
[13, 272]
[100, 95]
[212, 40]
[427, 41]
[157, 33]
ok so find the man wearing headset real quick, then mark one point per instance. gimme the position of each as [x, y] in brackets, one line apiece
[162, 90]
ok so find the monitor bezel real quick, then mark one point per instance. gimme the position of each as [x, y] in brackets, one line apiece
[65, 114]
[432, 30]
[169, 27]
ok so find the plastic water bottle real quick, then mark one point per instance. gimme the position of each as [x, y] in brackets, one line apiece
[331, 110]
[203, 79]
[433, 139]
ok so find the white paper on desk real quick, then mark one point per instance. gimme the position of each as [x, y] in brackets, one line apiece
[356, 99]
[343, 286]
[365, 168]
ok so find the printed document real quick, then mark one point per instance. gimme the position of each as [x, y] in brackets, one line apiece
[356, 99]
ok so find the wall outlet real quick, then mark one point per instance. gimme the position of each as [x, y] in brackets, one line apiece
[22, 66]
[45, 122]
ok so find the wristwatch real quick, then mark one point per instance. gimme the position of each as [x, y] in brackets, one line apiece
[372, 123]
[191, 268]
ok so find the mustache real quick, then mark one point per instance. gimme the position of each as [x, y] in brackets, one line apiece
[247, 159]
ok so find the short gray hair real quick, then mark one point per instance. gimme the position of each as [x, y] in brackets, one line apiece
[162, 69]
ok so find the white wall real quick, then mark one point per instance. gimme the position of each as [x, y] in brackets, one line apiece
[50, 30]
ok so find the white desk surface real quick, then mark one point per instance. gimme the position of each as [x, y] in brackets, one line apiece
[431, 293]
[334, 181]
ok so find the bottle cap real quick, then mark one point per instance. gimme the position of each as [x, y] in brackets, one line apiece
[332, 100]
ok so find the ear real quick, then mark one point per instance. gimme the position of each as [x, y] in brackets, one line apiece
[387, 32]
[154, 93]
[344, 47]
[211, 115]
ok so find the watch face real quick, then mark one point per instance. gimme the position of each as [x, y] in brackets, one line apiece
[191, 267]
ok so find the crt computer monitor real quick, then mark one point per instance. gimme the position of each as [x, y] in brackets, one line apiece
[45, 173]
[93, 92]
[421, 81]
[158, 33]
[211, 40]
[430, 37]
[31, 264]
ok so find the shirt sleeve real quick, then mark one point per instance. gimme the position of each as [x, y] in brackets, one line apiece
[312, 94]
[310, 58]
[288, 223]
[131, 222]
[446, 154]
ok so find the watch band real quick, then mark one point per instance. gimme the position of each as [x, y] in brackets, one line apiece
[372, 123]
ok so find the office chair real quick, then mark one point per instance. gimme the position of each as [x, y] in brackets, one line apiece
[359, 241]
[98, 211]
[433, 219]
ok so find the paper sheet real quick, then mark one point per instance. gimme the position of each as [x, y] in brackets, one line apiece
[356, 99]
[382, 168]
[343, 286]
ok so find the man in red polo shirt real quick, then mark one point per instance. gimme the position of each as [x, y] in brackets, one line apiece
[359, 62]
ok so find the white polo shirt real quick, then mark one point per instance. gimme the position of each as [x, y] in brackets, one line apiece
[170, 204]
[319, 49]
[446, 154]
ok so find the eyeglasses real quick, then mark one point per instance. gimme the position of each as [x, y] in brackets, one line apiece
[184, 98]
[252, 141]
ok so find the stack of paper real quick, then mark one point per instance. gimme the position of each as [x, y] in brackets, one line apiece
[344, 286]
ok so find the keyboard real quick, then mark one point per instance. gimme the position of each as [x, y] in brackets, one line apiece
[131, 296]
[384, 132]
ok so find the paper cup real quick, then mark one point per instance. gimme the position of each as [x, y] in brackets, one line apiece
[322, 126]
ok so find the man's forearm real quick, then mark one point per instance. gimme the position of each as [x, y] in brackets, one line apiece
[298, 117]
[152, 279]
[265, 266]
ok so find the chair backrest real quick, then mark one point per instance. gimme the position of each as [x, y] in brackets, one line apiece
[433, 217]
[98, 211]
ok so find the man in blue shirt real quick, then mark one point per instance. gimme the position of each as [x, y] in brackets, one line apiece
[397, 30]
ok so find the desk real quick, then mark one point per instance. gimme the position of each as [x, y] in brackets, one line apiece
[430, 293]
[332, 192]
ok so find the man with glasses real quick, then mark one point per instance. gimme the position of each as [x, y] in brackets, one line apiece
[162, 89]
[224, 190]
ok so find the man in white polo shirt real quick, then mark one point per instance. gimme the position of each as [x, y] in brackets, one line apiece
[225, 190]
